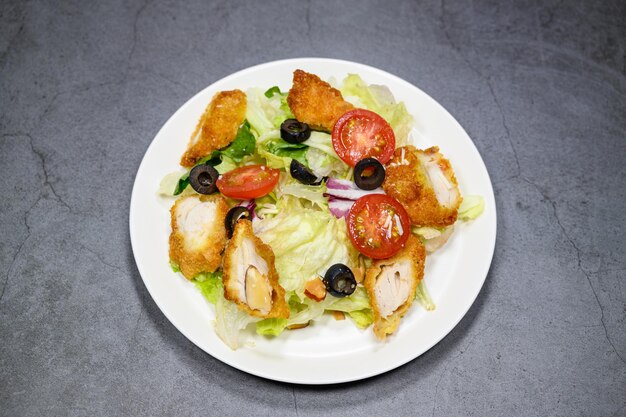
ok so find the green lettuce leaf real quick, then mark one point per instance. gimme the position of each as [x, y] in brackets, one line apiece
[362, 318]
[305, 310]
[271, 327]
[379, 100]
[316, 241]
[266, 110]
[229, 321]
[271, 91]
[280, 147]
[244, 144]
[321, 157]
[223, 160]
[313, 194]
[471, 207]
[174, 266]
[210, 285]
[423, 296]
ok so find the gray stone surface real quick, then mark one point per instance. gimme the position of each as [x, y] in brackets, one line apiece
[540, 87]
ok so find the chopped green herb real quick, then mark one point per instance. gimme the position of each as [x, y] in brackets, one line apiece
[270, 92]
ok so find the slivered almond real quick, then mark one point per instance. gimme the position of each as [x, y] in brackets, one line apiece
[315, 289]
[338, 315]
[298, 326]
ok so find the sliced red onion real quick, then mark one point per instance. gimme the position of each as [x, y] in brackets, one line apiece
[343, 193]
[337, 184]
[250, 205]
[347, 189]
[338, 207]
[354, 194]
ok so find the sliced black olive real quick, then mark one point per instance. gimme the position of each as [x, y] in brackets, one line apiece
[233, 216]
[339, 280]
[293, 131]
[203, 178]
[369, 174]
[301, 173]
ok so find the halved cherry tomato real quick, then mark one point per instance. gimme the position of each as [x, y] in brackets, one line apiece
[360, 134]
[250, 181]
[378, 225]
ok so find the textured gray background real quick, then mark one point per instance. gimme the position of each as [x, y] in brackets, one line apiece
[539, 86]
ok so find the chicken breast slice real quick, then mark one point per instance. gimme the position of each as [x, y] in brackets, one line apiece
[424, 183]
[198, 233]
[217, 126]
[250, 277]
[391, 285]
[315, 102]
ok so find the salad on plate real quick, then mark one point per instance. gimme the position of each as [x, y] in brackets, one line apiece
[295, 204]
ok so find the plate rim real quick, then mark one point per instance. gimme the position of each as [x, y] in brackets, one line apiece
[333, 380]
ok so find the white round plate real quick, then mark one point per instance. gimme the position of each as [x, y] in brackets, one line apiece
[329, 351]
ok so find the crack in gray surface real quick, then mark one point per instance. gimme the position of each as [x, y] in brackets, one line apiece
[20, 247]
[135, 31]
[608, 271]
[102, 261]
[487, 81]
[72, 91]
[295, 401]
[578, 261]
[165, 78]
[40, 155]
[42, 158]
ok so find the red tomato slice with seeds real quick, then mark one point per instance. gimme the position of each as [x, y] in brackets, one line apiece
[247, 182]
[378, 226]
[360, 134]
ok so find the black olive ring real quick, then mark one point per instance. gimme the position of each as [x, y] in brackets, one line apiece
[303, 174]
[203, 179]
[373, 180]
[293, 131]
[233, 216]
[339, 281]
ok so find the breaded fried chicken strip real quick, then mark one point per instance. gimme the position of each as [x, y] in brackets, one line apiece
[198, 233]
[391, 285]
[250, 277]
[315, 102]
[217, 127]
[424, 183]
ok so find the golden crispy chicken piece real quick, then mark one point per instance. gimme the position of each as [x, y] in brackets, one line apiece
[391, 285]
[315, 102]
[217, 126]
[424, 183]
[198, 233]
[250, 277]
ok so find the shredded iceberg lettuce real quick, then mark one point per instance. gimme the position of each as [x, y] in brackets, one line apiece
[210, 285]
[266, 112]
[230, 320]
[170, 182]
[423, 296]
[379, 99]
[321, 157]
[362, 318]
[311, 193]
[471, 207]
[316, 241]
[357, 306]
[271, 327]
